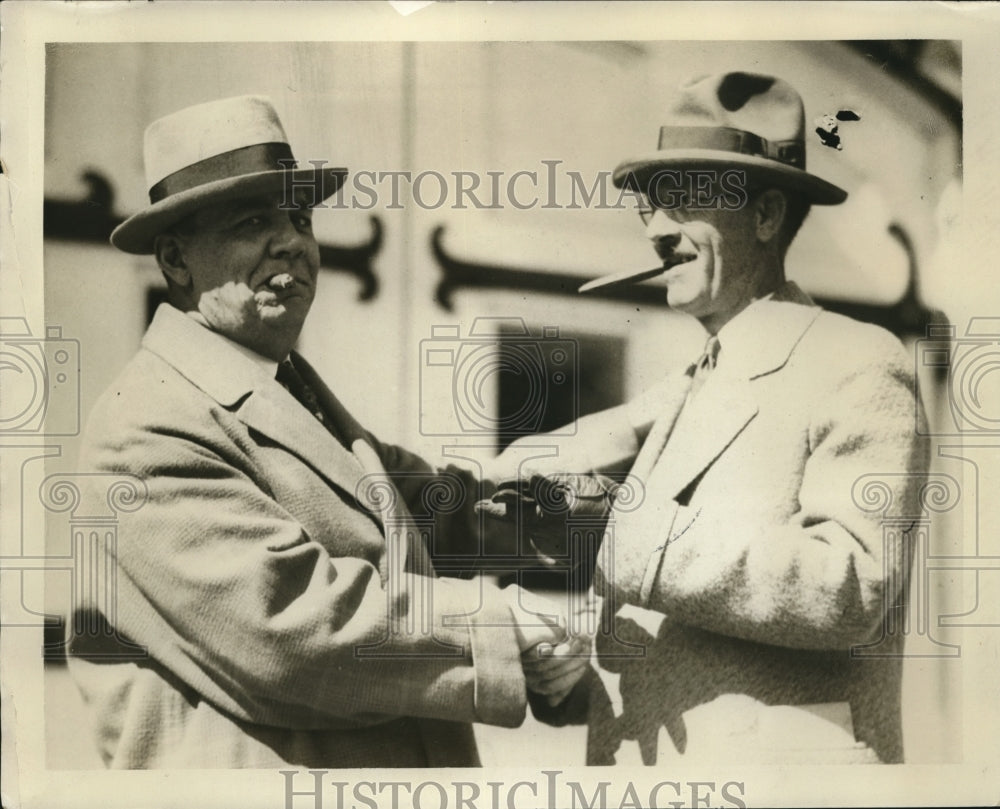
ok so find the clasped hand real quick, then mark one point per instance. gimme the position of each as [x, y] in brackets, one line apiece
[544, 507]
[555, 639]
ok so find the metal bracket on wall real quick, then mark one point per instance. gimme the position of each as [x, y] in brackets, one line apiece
[91, 219]
[906, 317]
[356, 259]
[457, 274]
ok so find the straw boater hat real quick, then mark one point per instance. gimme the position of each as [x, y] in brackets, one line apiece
[214, 152]
[744, 121]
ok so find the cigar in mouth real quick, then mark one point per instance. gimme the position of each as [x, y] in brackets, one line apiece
[281, 281]
[635, 276]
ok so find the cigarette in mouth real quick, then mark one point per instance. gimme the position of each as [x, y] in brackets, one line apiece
[282, 281]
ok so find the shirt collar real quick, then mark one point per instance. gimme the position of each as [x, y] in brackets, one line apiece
[225, 370]
[266, 365]
[760, 338]
[734, 330]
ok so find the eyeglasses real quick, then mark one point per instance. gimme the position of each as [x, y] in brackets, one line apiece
[646, 214]
[647, 209]
[682, 202]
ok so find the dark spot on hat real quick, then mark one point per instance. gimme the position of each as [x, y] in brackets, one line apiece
[738, 88]
[828, 138]
[848, 115]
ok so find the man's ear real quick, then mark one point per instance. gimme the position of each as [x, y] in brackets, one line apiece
[771, 207]
[170, 256]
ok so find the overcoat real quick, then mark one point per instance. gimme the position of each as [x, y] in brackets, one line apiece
[755, 576]
[252, 574]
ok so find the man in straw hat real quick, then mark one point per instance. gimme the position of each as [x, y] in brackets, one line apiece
[275, 603]
[751, 594]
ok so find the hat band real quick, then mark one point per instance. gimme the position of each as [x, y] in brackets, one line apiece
[728, 139]
[225, 166]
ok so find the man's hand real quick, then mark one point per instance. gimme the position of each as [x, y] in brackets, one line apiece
[553, 669]
[547, 505]
[536, 620]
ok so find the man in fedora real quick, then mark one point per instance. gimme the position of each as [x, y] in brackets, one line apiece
[275, 602]
[750, 592]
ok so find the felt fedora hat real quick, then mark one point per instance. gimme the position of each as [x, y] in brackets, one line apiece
[736, 120]
[214, 152]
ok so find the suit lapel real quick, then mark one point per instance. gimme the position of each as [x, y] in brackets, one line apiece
[274, 412]
[340, 417]
[230, 377]
[662, 428]
[756, 343]
[405, 546]
[720, 411]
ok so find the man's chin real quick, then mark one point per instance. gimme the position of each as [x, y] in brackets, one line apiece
[679, 296]
[283, 317]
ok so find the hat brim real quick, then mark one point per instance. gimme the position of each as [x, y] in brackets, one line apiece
[637, 172]
[137, 233]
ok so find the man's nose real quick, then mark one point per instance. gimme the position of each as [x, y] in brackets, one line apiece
[287, 240]
[663, 230]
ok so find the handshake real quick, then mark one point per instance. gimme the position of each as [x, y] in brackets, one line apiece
[553, 513]
[551, 510]
[555, 640]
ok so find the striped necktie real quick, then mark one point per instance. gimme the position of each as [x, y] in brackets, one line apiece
[293, 382]
[704, 366]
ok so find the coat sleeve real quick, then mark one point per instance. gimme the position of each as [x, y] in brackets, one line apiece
[460, 541]
[825, 577]
[463, 541]
[606, 442]
[228, 591]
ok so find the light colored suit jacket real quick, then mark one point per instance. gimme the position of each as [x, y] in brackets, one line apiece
[751, 561]
[259, 581]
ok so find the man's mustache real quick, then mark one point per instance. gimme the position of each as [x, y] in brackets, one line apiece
[671, 258]
[675, 249]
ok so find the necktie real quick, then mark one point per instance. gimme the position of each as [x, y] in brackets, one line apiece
[663, 430]
[704, 366]
[293, 382]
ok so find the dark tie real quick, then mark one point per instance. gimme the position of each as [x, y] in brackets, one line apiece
[704, 366]
[293, 382]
